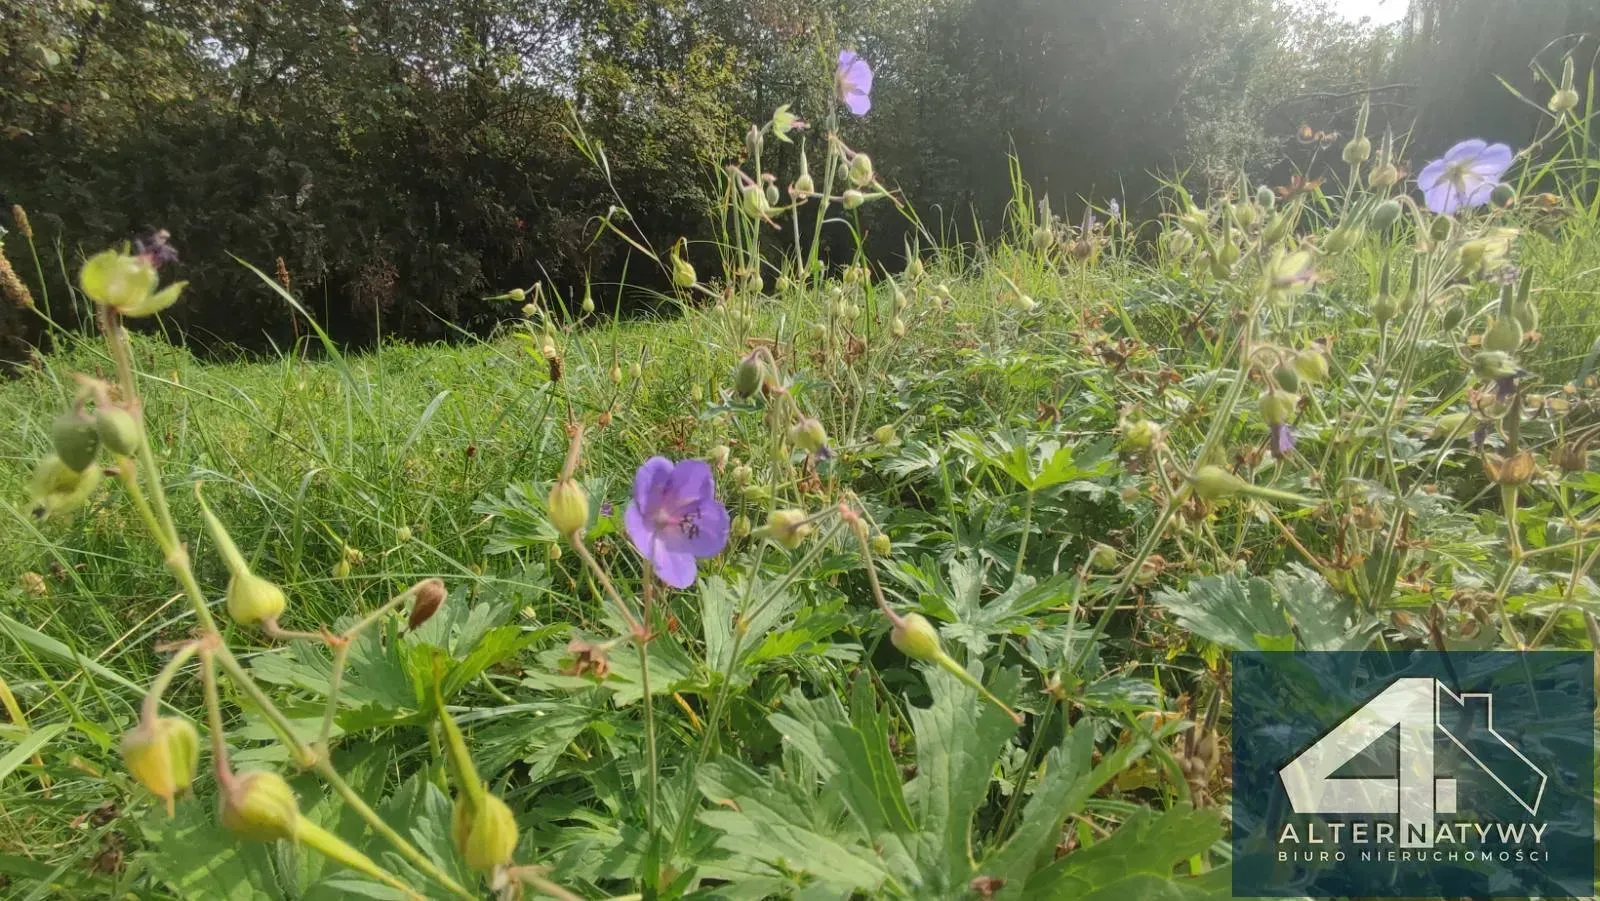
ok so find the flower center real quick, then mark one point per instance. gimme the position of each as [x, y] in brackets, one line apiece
[1456, 173]
[687, 523]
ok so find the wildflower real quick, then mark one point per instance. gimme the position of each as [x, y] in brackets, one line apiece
[1465, 176]
[1280, 438]
[784, 122]
[854, 81]
[1113, 209]
[675, 517]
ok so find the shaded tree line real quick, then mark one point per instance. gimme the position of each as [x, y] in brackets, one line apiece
[405, 159]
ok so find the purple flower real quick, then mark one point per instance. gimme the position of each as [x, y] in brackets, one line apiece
[854, 80]
[675, 517]
[1113, 209]
[1280, 439]
[1465, 176]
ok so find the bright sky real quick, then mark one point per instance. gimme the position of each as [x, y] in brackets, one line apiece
[1381, 12]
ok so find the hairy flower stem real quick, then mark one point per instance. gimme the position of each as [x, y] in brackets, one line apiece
[1027, 527]
[157, 517]
[158, 687]
[605, 583]
[719, 702]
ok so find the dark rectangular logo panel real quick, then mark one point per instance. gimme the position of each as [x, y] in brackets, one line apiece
[1406, 774]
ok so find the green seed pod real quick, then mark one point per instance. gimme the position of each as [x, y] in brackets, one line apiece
[161, 755]
[516, 295]
[1265, 198]
[118, 430]
[1276, 229]
[1386, 214]
[1384, 308]
[569, 507]
[747, 377]
[804, 185]
[1312, 365]
[1505, 335]
[1213, 483]
[916, 638]
[75, 439]
[1453, 316]
[915, 269]
[1195, 221]
[1491, 365]
[588, 302]
[259, 806]
[853, 199]
[1179, 243]
[881, 545]
[1287, 377]
[1503, 195]
[485, 834]
[1103, 557]
[1563, 101]
[1244, 214]
[884, 434]
[253, 600]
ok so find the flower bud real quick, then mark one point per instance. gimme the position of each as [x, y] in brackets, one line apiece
[615, 375]
[1195, 221]
[789, 527]
[897, 326]
[1213, 483]
[1245, 214]
[803, 185]
[427, 597]
[118, 430]
[1386, 214]
[1563, 101]
[253, 600]
[747, 377]
[1103, 557]
[1441, 228]
[1265, 198]
[569, 507]
[588, 302]
[161, 754]
[755, 201]
[1312, 365]
[75, 439]
[742, 474]
[853, 199]
[1277, 406]
[884, 434]
[1179, 243]
[683, 275]
[118, 280]
[1043, 239]
[529, 310]
[516, 295]
[915, 269]
[740, 526]
[916, 638]
[1140, 436]
[259, 806]
[1504, 195]
[719, 456]
[553, 552]
[1287, 377]
[1384, 175]
[881, 545]
[860, 169]
[58, 488]
[1358, 150]
[809, 435]
[1453, 316]
[485, 834]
